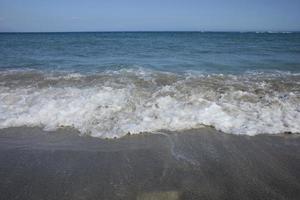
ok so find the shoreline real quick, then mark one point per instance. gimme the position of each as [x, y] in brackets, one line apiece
[193, 164]
[74, 132]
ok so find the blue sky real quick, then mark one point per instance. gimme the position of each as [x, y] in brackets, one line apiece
[149, 15]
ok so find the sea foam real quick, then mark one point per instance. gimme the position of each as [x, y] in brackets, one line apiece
[113, 103]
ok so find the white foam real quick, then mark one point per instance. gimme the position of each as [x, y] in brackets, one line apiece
[69, 76]
[111, 109]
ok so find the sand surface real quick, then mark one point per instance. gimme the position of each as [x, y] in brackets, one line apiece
[195, 164]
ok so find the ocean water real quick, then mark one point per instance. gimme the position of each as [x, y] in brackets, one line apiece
[109, 84]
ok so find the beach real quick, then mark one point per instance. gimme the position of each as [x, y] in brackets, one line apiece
[150, 100]
[195, 164]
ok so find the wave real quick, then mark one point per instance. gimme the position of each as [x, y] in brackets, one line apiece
[113, 103]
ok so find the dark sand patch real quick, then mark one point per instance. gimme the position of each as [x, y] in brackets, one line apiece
[197, 164]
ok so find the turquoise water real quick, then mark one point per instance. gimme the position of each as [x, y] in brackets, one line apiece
[109, 84]
[167, 51]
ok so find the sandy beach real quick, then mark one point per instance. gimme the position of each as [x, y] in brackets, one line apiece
[195, 164]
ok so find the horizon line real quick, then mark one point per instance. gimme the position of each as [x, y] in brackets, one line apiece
[153, 31]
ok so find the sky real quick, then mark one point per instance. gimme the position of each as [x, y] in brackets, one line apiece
[149, 15]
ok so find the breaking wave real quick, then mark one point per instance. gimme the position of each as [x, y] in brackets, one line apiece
[113, 103]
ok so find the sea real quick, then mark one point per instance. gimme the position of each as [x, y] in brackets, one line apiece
[109, 84]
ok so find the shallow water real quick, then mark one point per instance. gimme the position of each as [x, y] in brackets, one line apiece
[195, 164]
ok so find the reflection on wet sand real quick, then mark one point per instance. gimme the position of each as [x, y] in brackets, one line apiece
[195, 164]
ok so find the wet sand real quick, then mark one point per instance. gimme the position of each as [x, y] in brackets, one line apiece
[196, 164]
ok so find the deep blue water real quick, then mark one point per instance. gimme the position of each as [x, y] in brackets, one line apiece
[167, 51]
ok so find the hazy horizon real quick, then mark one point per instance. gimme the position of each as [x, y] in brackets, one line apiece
[157, 31]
